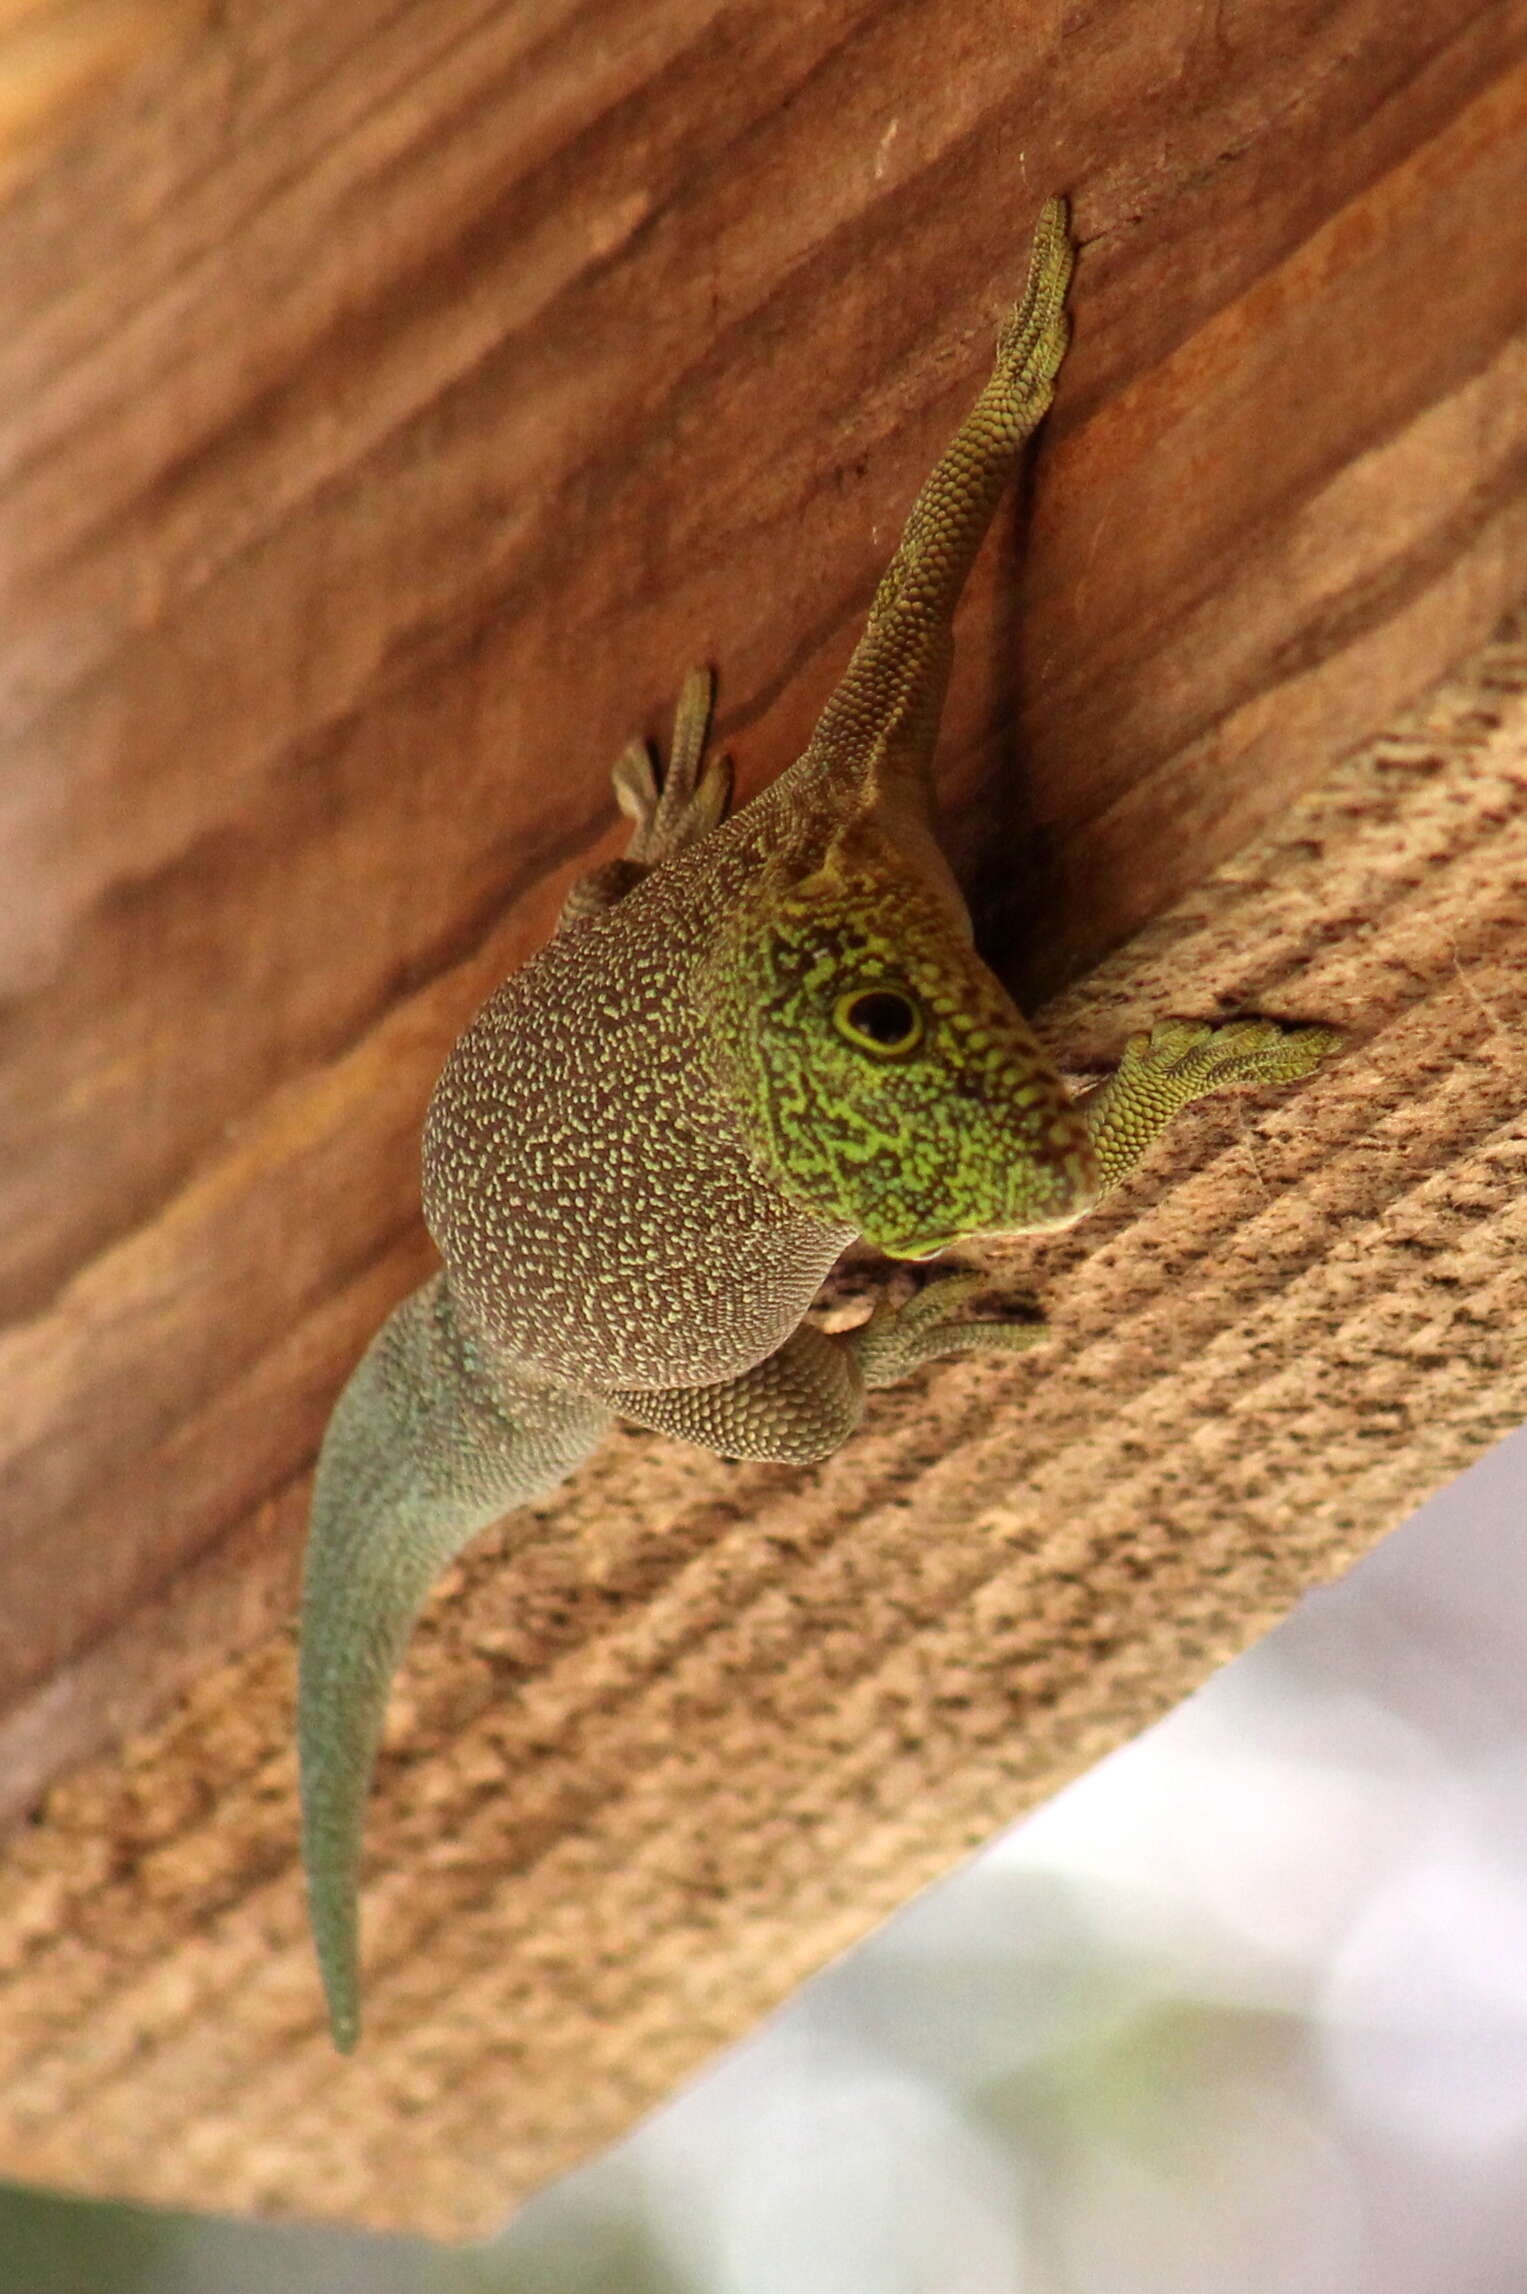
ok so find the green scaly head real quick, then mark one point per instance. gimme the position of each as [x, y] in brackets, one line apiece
[882, 1075]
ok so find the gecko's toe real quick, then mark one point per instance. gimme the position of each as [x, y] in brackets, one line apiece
[1239, 1052]
[675, 804]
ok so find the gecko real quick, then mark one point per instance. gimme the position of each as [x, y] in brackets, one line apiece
[760, 1036]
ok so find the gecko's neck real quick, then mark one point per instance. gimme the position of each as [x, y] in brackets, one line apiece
[831, 814]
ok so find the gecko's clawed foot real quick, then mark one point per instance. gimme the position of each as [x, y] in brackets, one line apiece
[1191, 1058]
[1033, 339]
[1178, 1061]
[673, 805]
[898, 1339]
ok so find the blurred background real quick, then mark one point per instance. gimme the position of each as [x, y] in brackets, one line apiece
[1245, 2009]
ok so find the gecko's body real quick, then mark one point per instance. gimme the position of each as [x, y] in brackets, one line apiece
[750, 1042]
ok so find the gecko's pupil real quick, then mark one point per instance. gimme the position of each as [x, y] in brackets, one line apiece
[885, 1018]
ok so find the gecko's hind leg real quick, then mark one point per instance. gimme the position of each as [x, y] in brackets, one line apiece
[804, 1400]
[899, 1339]
[671, 806]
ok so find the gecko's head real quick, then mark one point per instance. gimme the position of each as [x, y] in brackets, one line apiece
[879, 1071]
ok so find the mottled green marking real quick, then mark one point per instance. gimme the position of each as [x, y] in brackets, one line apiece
[967, 1130]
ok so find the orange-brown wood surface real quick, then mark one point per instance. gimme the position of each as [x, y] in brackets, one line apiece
[56, 55]
[395, 401]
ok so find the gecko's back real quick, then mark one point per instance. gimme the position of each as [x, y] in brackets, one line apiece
[596, 1206]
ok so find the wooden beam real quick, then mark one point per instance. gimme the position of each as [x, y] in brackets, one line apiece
[56, 56]
[396, 402]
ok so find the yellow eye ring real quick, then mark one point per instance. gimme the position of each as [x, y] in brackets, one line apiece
[884, 1021]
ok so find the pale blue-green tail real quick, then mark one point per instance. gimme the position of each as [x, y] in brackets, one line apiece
[429, 1443]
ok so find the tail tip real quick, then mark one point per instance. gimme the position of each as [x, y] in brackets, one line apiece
[344, 2024]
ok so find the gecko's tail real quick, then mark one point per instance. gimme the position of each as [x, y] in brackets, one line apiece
[429, 1443]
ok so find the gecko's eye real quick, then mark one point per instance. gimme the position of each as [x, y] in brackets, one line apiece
[880, 1020]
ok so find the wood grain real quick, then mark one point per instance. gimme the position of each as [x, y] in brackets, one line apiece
[56, 56]
[395, 401]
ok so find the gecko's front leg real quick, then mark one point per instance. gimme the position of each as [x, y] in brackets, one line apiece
[1180, 1061]
[877, 733]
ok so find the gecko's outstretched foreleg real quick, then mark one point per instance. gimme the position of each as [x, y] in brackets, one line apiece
[881, 723]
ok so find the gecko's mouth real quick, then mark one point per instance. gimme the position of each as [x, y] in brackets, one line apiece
[920, 1243]
[913, 1245]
